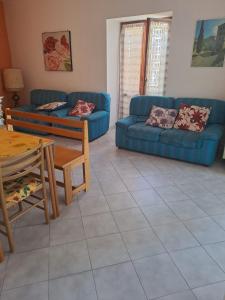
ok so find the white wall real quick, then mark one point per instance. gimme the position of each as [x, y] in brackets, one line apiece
[113, 33]
[27, 19]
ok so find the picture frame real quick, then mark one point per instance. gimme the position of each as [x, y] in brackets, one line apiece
[209, 43]
[57, 51]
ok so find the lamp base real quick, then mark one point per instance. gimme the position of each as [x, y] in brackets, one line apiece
[16, 99]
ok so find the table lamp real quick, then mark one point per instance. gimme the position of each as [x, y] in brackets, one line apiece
[13, 82]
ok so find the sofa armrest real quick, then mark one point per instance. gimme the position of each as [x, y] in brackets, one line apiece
[61, 113]
[126, 122]
[96, 116]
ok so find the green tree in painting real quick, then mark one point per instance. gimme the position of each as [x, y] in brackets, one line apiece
[200, 39]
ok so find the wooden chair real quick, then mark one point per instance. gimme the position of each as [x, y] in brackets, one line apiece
[65, 159]
[18, 184]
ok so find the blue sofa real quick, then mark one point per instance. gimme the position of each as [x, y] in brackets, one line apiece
[200, 148]
[98, 121]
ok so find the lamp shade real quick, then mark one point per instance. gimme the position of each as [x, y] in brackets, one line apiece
[13, 79]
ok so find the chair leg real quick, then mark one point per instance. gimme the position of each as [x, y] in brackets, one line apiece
[67, 185]
[45, 203]
[8, 228]
[86, 174]
[1, 253]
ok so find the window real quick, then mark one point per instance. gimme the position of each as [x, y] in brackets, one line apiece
[143, 60]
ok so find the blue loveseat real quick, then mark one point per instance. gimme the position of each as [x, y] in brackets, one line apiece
[98, 121]
[201, 148]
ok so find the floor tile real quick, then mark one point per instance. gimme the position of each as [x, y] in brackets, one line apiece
[206, 230]
[187, 295]
[197, 267]
[193, 190]
[129, 172]
[76, 287]
[120, 201]
[130, 219]
[100, 224]
[217, 252]
[93, 205]
[118, 282]
[34, 217]
[142, 243]
[31, 267]
[211, 292]
[70, 211]
[186, 210]
[66, 230]
[31, 237]
[159, 180]
[113, 187]
[171, 193]
[219, 219]
[38, 291]
[107, 250]
[159, 214]
[68, 259]
[210, 204]
[147, 197]
[175, 236]
[159, 276]
[136, 184]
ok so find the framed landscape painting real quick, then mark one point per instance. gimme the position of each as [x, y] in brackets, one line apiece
[209, 43]
[57, 51]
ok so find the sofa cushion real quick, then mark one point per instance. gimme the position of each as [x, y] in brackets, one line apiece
[192, 117]
[52, 106]
[189, 139]
[217, 114]
[82, 108]
[142, 105]
[144, 132]
[162, 117]
[101, 100]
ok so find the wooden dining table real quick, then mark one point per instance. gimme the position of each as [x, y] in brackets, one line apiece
[14, 143]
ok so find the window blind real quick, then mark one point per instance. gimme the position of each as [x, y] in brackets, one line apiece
[130, 64]
[157, 57]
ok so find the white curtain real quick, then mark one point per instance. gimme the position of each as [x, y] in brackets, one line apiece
[130, 64]
[157, 57]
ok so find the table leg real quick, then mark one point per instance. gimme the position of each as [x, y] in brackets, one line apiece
[51, 154]
[51, 177]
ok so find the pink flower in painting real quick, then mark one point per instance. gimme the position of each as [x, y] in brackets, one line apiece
[62, 51]
[53, 62]
[49, 44]
[64, 42]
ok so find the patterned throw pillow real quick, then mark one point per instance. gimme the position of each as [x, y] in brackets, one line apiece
[192, 117]
[52, 106]
[82, 108]
[162, 117]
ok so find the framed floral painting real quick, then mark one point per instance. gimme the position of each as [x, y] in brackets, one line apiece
[57, 51]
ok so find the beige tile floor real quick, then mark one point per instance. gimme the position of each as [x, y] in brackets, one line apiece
[149, 228]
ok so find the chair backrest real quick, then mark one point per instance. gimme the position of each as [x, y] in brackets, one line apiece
[39, 96]
[61, 127]
[21, 165]
[101, 100]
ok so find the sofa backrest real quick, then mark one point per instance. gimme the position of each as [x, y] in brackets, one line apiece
[39, 97]
[217, 114]
[101, 100]
[141, 105]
